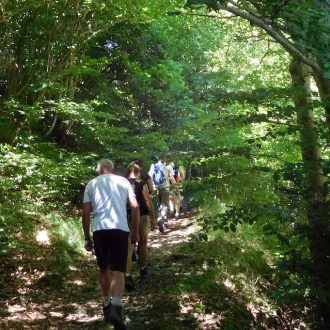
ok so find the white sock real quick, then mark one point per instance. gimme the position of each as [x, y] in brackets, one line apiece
[128, 274]
[116, 301]
[106, 300]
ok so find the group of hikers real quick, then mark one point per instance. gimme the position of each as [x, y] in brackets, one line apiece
[124, 210]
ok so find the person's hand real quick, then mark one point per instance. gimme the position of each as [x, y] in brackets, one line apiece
[88, 245]
[153, 225]
[135, 238]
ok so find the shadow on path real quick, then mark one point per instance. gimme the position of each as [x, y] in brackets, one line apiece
[178, 293]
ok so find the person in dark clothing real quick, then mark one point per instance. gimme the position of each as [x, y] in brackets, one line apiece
[146, 177]
[147, 222]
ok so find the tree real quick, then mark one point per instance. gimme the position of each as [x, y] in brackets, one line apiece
[302, 28]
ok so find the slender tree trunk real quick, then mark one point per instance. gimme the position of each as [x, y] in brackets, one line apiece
[315, 192]
[323, 86]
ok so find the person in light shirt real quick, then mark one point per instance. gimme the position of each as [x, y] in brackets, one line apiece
[162, 183]
[106, 198]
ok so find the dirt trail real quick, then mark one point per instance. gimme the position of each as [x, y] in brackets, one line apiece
[76, 303]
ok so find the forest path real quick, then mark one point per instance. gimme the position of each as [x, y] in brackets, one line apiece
[76, 303]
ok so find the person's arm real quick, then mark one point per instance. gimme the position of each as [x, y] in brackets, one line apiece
[135, 214]
[147, 199]
[86, 219]
[150, 185]
[151, 170]
[171, 174]
[182, 173]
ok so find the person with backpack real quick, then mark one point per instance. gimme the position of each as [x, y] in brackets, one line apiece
[147, 222]
[162, 175]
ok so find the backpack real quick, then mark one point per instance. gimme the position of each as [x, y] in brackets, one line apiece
[176, 172]
[159, 175]
[179, 174]
[137, 187]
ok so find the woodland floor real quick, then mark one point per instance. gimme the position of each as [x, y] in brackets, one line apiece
[74, 302]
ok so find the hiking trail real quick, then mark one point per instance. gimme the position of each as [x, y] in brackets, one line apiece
[75, 303]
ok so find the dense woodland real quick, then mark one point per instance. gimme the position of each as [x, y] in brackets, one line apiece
[238, 90]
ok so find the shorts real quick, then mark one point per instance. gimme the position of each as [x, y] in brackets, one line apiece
[144, 227]
[164, 196]
[111, 249]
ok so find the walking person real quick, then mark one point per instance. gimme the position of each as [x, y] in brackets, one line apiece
[177, 189]
[162, 175]
[147, 221]
[106, 198]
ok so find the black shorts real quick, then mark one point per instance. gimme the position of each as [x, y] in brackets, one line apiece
[111, 249]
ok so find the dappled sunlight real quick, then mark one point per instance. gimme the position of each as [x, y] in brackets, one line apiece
[185, 289]
[81, 313]
[229, 284]
[56, 314]
[155, 245]
[178, 231]
[193, 306]
[42, 237]
[26, 275]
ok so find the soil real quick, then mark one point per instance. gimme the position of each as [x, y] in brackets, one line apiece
[35, 298]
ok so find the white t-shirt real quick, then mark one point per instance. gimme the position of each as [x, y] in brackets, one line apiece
[168, 173]
[109, 194]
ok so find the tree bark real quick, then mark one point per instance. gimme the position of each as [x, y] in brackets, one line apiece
[323, 86]
[315, 191]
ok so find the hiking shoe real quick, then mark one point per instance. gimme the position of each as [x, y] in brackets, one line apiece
[129, 283]
[106, 312]
[161, 228]
[116, 318]
[135, 256]
[143, 273]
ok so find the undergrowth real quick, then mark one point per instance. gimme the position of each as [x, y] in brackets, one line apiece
[239, 274]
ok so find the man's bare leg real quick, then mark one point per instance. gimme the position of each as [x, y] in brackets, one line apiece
[129, 283]
[105, 279]
[143, 252]
[117, 285]
[129, 256]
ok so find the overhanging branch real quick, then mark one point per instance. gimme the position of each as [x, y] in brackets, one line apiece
[277, 35]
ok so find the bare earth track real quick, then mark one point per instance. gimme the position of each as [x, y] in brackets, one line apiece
[76, 302]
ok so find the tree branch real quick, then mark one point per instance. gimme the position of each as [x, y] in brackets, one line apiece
[277, 35]
[211, 16]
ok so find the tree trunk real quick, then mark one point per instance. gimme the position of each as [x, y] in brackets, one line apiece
[315, 192]
[323, 86]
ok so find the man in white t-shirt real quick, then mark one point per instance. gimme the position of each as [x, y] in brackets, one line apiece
[106, 198]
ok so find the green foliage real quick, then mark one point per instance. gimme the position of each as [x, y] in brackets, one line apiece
[67, 240]
[82, 80]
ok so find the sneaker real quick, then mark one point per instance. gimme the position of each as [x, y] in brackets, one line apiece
[135, 256]
[161, 228]
[116, 318]
[129, 283]
[143, 273]
[106, 312]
